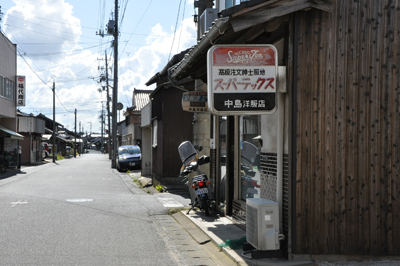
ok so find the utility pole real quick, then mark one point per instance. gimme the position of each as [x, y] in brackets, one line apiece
[110, 149]
[54, 122]
[115, 90]
[102, 127]
[75, 136]
[80, 137]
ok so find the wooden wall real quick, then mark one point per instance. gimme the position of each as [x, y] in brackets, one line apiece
[347, 95]
[174, 127]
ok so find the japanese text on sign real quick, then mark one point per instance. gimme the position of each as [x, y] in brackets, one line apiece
[21, 91]
[242, 79]
[238, 103]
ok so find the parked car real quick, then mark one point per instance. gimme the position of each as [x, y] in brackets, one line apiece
[68, 152]
[128, 157]
[46, 147]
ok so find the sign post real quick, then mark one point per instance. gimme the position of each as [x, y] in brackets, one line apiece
[242, 79]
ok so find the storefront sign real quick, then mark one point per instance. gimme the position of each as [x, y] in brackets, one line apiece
[242, 79]
[21, 91]
[194, 101]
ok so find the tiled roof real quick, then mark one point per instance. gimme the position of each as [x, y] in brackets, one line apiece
[140, 99]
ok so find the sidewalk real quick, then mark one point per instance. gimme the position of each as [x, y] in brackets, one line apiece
[12, 172]
[218, 230]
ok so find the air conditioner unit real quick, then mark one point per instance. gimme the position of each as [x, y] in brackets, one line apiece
[262, 223]
[206, 19]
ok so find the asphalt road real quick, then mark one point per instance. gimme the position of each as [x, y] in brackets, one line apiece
[79, 211]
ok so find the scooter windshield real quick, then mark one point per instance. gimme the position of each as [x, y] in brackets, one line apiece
[249, 152]
[187, 152]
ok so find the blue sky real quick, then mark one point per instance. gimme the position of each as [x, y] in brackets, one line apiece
[57, 40]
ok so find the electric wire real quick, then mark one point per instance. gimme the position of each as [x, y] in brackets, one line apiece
[137, 25]
[176, 25]
[180, 35]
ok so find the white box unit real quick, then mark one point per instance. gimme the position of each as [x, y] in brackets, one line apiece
[206, 19]
[262, 223]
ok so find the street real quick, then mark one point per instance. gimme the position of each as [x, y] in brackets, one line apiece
[79, 211]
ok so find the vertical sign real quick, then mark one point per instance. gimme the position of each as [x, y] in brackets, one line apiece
[242, 79]
[21, 91]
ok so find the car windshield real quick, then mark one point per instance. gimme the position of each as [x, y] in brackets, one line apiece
[128, 150]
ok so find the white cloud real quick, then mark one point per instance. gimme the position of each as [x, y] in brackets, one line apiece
[43, 27]
[49, 33]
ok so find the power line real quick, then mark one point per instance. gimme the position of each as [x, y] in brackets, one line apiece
[42, 33]
[137, 25]
[176, 25]
[58, 53]
[55, 21]
[180, 35]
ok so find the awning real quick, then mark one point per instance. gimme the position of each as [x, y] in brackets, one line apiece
[46, 136]
[11, 134]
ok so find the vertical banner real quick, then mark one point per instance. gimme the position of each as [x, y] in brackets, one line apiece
[21, 93]
[242, 79]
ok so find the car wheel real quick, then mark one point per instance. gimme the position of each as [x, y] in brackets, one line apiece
[118, 168]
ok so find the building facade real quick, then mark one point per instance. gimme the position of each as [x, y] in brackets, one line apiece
[328, 155]
[8, 106]
[32, 128]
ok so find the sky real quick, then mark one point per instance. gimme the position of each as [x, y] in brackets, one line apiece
[58, 41]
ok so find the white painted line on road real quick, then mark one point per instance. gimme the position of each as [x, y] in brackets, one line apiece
[79, 200]
[169, 202]
[15, 203]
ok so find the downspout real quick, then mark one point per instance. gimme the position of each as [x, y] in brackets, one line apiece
[281, 142]
[173, 83]
[279, 192]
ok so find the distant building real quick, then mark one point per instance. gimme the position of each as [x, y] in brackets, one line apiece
[32, 128]
[131, 133]
[8, 103]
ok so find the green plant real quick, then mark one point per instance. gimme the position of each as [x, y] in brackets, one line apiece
[160, 188]
[128, 172]
[148, 192]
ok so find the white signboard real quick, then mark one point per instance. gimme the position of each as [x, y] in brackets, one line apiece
[194, 101]
[21, 93]
[242, 79]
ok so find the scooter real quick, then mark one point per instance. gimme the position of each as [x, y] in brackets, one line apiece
[191, 161]
[248, 183]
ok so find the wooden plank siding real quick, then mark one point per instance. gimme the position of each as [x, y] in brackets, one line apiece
[177, 129]
[347, 135]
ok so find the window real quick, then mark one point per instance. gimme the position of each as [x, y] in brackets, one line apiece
[155, 125]
[230, 3]
[2, 93]
[7, 88]
[250, 175]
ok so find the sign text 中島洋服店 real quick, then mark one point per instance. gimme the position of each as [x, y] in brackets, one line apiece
[242, 79]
